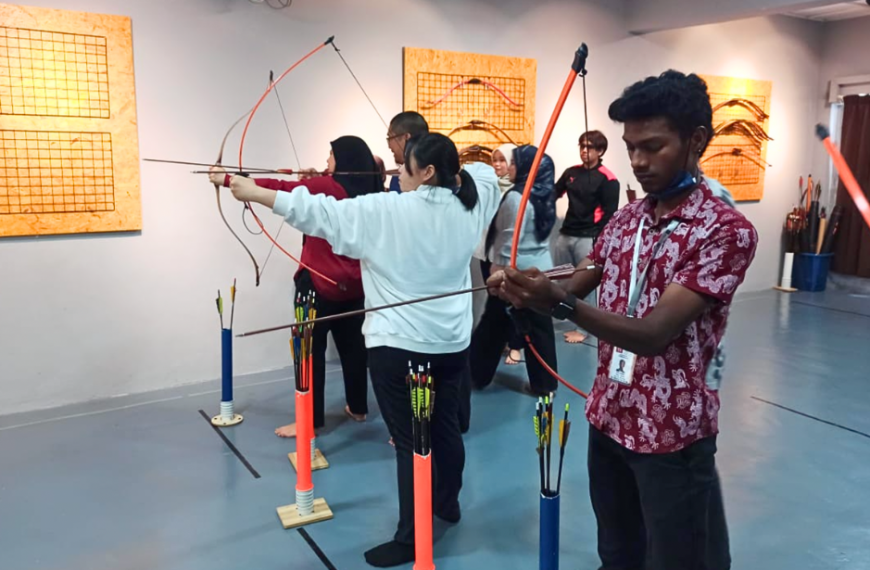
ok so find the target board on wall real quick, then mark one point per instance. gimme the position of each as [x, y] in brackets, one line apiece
[69, 155]
[479, 101]
[737, 153]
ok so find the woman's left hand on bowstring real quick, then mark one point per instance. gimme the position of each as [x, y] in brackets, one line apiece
[527, 289]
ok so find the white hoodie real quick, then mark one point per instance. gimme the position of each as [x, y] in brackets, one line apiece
[410, 245]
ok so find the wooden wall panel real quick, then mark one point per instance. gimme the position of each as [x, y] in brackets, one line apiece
[736, 160]
[69, 150]
[475, 99]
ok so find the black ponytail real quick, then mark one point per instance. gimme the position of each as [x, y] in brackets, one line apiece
[467, 192]
[439, 151]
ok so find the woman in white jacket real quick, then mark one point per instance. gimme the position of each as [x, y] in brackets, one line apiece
[410, 245]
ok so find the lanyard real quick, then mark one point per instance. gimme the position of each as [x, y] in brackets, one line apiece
[636, 284]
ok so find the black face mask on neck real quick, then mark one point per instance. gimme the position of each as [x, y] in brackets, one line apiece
[683, 181]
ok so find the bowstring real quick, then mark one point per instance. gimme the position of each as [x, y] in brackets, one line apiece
[352, 74]
[286, 124]
[586, 121]
[585, 105]
[295, 154]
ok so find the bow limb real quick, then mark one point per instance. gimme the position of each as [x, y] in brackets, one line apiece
[250, 117]
[478, 125]
[578, 67]
[473, 81]
[235, 235]
[217, 190]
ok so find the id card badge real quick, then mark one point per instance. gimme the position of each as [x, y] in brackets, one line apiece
[622, 366]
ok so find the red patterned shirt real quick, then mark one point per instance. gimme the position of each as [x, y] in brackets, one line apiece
[668, 405]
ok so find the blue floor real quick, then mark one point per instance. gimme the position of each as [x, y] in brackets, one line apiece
[144, 482]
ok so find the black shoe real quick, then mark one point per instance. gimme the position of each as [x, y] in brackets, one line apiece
[390, 554]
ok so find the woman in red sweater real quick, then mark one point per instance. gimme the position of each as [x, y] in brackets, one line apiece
[348, 154]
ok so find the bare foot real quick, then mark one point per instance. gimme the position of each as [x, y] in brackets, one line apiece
[286, 431]
[353, 416]
[574, 337]
[513, 357]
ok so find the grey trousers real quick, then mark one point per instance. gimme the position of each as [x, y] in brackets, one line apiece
[573, 250]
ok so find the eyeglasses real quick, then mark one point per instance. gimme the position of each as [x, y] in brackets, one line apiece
[391, 137]
[586, 146]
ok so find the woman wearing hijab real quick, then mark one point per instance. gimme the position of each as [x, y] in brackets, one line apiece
[348, 155]
[501, 158]
[410, 245]
[496, 324]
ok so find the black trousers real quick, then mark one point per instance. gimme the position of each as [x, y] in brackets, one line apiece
[351, 347]
[657, 511]
[465, 399]
[389, 368]
[494, 330]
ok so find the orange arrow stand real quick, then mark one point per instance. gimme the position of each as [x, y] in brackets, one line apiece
[423, 512]
[307, 509]
[318, 460]
[303, 443]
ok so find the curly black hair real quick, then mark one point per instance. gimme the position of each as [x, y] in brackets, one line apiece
[682, 99]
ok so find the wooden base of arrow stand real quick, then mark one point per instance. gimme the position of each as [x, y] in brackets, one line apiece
[319, 461]
[290, 516]
[221, 421]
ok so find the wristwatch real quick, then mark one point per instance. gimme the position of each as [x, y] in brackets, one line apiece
[565, 308]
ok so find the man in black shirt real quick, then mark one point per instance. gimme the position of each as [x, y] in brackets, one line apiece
[593, 197]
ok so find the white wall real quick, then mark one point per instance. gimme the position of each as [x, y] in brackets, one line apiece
[97, 316]
[783, 50]
[845, 46]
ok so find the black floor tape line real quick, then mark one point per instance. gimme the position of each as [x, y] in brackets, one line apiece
[232, 447]
[812, 417]
[831, 309]
[316, 549]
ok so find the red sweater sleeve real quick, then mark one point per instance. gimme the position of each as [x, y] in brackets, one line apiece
[319, 185]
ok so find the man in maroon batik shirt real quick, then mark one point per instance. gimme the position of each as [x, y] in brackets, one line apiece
[668, 266]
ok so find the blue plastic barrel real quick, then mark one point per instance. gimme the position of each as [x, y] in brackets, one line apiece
[810, 271]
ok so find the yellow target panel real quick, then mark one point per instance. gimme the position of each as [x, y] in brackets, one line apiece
[69, 152]
[479, 101]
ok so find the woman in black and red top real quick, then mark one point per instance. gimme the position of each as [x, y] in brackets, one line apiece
[348, 154]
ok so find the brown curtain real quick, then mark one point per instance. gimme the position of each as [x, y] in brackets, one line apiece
[852, 252]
